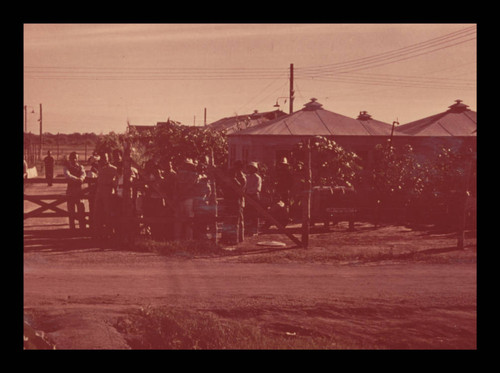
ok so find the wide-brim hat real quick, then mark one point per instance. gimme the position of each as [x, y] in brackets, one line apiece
[254, 165]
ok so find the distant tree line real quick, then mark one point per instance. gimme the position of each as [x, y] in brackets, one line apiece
[64, 139]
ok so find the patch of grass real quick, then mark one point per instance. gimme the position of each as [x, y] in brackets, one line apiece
[188, 249]
[166, 328]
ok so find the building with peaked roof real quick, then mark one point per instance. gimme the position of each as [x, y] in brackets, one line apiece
[239, 122]
[144, 128]
[455, 128]
[139, 128]
[272, 140]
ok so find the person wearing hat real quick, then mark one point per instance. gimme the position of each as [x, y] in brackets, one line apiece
[185, 192]
[49, 162]
[93, 161]
[75, 175]
[252, 189]
[153, 203]
[203, 211]
[234, 227]
[284, 181]
[102, 209]
[167, 188]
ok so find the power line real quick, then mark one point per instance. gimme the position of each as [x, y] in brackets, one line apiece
[390, 83]
[53, 72]
[395, 54]
[261, 91]
[399, 80]
[369, 66]
[344, 72]
[409, 77]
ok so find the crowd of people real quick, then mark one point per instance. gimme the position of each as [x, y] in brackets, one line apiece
[176, 203]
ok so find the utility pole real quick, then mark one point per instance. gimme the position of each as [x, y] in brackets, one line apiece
[41, 141]
[205, 117]
[291, 88]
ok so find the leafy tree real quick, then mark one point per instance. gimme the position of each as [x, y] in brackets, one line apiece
[169, 141]
[331, 164]
[175, 142]
[450, 176]
[397, 176]
[108, 143]
[421, 185]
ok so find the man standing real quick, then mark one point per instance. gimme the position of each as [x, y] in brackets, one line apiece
[25, 173]
[185, 193]
[284, 181]
[48, 161]
[234, 204]
[252, 189]
[75, 175]
[103, 204]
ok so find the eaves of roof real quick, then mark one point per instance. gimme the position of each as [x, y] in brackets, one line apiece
[318, 122]
[442, 124]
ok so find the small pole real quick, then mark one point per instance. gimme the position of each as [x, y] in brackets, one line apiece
[291, 88]
[126, 218]
[205, 117]
[41, 140]
[394, 124]
[306, 205]
[214, 199]
[25, 119]
[464, 194]
[25, 151]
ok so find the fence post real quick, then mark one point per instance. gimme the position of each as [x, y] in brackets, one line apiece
[126, 217]
[464, 194]
[306, 204]
[213, 201]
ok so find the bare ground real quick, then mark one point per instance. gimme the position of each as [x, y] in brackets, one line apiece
[387, 287]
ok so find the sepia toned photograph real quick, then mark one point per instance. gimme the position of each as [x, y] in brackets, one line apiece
[249, 186]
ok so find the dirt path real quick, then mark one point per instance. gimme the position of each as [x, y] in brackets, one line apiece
[77, 297]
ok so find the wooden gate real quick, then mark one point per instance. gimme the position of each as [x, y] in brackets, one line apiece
[49, 203]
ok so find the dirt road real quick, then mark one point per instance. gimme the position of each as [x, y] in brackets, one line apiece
[77, 297]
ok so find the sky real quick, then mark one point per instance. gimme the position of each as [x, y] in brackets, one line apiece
[99, 77]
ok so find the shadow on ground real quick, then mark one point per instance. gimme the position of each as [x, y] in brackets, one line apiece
[57, 240]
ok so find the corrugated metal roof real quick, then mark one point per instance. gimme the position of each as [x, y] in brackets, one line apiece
[141, 128]
[313, 120]
[240, 122]
[457, 121]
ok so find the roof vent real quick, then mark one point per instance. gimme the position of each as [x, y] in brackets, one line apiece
[458, 107]
[363, 115]
[313, 105]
